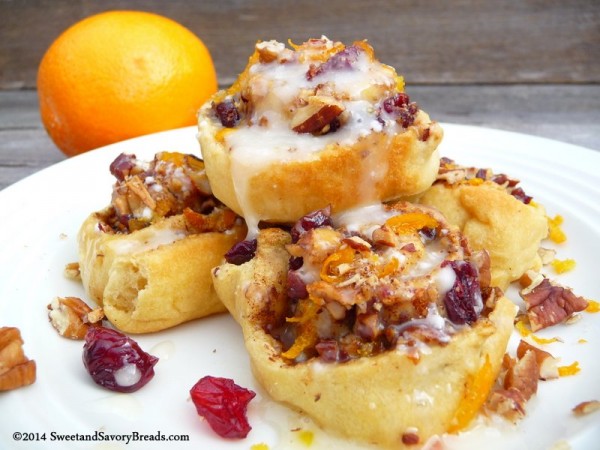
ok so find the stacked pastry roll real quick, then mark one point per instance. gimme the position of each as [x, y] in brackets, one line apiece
[319, 124]
[372, 314]
[146, 258]
[380, 322]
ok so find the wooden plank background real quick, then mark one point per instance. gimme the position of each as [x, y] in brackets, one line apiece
[435, 41]
[531, 66]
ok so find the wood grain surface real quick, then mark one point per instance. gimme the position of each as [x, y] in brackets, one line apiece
[531, 66]
[456, 41]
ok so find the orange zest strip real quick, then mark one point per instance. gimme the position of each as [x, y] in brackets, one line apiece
[476, 392]
[522, 328]
[259, 446]
[540, 340]
[306, 339]
[562, 266]
[307, 336]
[306, 437]
[411, 222]
[476, 181]
[389, 268]
[565, 371]
[555, 232]
[329, 271]
[592, 307]
[526, 332]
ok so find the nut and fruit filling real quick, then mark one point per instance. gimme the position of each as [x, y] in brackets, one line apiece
[452, 173]
[172, 183]
[397, 278]
[317, 88]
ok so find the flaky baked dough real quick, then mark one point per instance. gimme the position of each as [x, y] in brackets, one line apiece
[145, 287]
[492, 219]
[373, 399]
[283, 191]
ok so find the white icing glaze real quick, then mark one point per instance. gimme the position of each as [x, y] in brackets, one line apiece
[273, 87]
[151, 240]
[128, 375]
[363, 218]
[445, 279]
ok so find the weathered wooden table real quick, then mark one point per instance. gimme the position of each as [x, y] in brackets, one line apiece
[526, 66]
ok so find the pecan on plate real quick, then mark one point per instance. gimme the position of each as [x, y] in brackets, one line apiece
[16, 370]
[585, 408]
[547, 364]
[549, 303]
[72, 317]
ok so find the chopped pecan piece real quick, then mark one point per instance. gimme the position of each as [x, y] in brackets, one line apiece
[549, 303]
[72, 317]
[520, 383]
[509, 403]
[269, 51]
[523, 376]
[316, 115]
[219, 220]
[547, 364]
[482, 261]
[585, 408]
[16, 370]
[72, 271]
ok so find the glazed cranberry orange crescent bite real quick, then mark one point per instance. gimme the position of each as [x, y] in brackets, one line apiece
[494, 213]
[319, 124]
[146, 258]
[380, 322]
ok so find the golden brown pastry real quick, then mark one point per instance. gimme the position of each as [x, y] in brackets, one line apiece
[494, 213]
[146, 259]
[379, 323]
[320, 124]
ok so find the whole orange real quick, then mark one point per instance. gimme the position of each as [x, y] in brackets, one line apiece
[122, 74]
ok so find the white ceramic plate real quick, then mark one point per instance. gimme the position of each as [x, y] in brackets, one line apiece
[40, 218]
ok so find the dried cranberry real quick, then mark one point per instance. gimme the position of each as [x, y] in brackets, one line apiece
[296, 287]
[392, 104]
[242, 252]
[122, 165]
[463, 298]
[400, 108]
[429, 234]
[482, 174]
[520, 195]
[330, 351]
[223, 404]
[116, 361]
[342, 60]
[500, 178]
[296, 262]
[227, 113]
[315, 219]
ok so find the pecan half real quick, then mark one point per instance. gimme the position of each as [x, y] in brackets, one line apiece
[549, 303]
[16, 370]
[523, 375]
[72, 317]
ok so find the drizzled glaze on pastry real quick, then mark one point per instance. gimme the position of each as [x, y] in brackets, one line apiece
[378, 278]
[289, 104]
